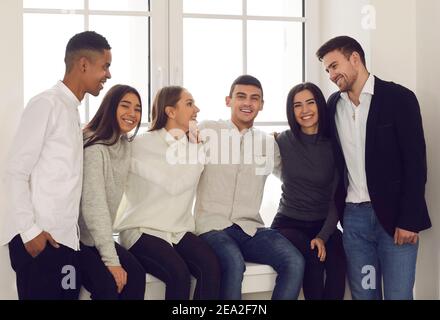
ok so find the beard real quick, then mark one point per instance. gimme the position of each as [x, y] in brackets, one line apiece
[346, 83]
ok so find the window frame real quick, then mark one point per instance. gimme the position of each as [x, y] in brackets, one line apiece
[166, 57]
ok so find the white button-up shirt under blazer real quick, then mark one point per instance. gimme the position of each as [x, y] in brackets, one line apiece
[44, 170]
[231, 186]
[161, 186]
[351, 122]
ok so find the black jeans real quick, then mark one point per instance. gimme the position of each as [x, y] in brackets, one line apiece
[175, 264]
[52, 275]
[100, 282]
[301, 233]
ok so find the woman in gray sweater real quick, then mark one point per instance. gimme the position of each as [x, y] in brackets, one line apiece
[108, 271]
[306, 214]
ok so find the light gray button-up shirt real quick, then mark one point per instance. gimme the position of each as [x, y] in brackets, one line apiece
[231, 187]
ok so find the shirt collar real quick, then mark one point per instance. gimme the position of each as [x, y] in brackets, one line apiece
[367, 89]
[170, 140]
[369, 86]
[232, 126]
[68, 93]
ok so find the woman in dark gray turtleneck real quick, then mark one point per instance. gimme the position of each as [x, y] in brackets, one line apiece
[306, 214]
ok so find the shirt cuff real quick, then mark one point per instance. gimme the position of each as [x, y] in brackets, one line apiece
[30, 233]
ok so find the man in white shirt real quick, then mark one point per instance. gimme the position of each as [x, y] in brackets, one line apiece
[380, 152]
[230, 192]
[44, 176]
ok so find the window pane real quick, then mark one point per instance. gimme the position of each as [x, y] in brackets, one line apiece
[209, 70]
[213, 6]
[272, 129]
[275, 58]
[118, 5]
[53, 4]
[128, 37]
[285, 8]
[272, 189]
[271, 199]
[44, 48]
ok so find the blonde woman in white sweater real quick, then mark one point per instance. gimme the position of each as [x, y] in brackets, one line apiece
[157, 225]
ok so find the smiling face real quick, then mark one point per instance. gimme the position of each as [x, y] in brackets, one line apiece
[306, 112]
[96, 69]
[128, 113]
[342, 70]
[184, 112]
[245, 103]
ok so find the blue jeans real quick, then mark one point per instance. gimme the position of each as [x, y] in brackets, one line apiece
[233, 247]
[372, 257]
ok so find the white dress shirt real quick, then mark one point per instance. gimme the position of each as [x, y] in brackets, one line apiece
[44, 171]
[351, 122]
[161, 187]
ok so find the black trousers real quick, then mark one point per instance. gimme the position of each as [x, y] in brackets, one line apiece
[175, 264]
[52, 275]
[101, 284]
[300, 234]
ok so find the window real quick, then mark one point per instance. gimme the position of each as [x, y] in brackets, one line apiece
[223, 39]
[48, 25]
[200, 44]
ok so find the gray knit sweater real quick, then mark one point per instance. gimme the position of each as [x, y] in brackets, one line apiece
[105, 174]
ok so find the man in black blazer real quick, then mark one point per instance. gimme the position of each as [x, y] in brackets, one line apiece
[380, 152]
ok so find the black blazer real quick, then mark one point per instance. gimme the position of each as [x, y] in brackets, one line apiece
[395, 158]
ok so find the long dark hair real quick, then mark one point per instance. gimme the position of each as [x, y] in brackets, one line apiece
[320, 102]
[167, 96]
[104, 127]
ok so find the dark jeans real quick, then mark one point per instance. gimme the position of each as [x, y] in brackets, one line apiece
[233, 247]
[175, 264]
[100, 282]
[300, 234]
[52, 275]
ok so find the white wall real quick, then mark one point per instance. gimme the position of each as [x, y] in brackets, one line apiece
[342, 17]
[428, 70]
[11, 92]
[393, 49]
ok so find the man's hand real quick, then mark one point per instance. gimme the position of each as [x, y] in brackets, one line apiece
[319, 243]
[402, 236]
[38, 244]
[120, 276]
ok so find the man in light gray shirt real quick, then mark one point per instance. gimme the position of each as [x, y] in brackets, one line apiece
[44, 176]
[230, 192]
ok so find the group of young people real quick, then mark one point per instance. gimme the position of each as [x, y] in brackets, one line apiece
[359, 159]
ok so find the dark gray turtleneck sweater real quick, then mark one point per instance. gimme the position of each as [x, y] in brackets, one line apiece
[309, 179]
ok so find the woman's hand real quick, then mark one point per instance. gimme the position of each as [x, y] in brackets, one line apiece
[319, 243]
[193, 133]
[120, 276]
